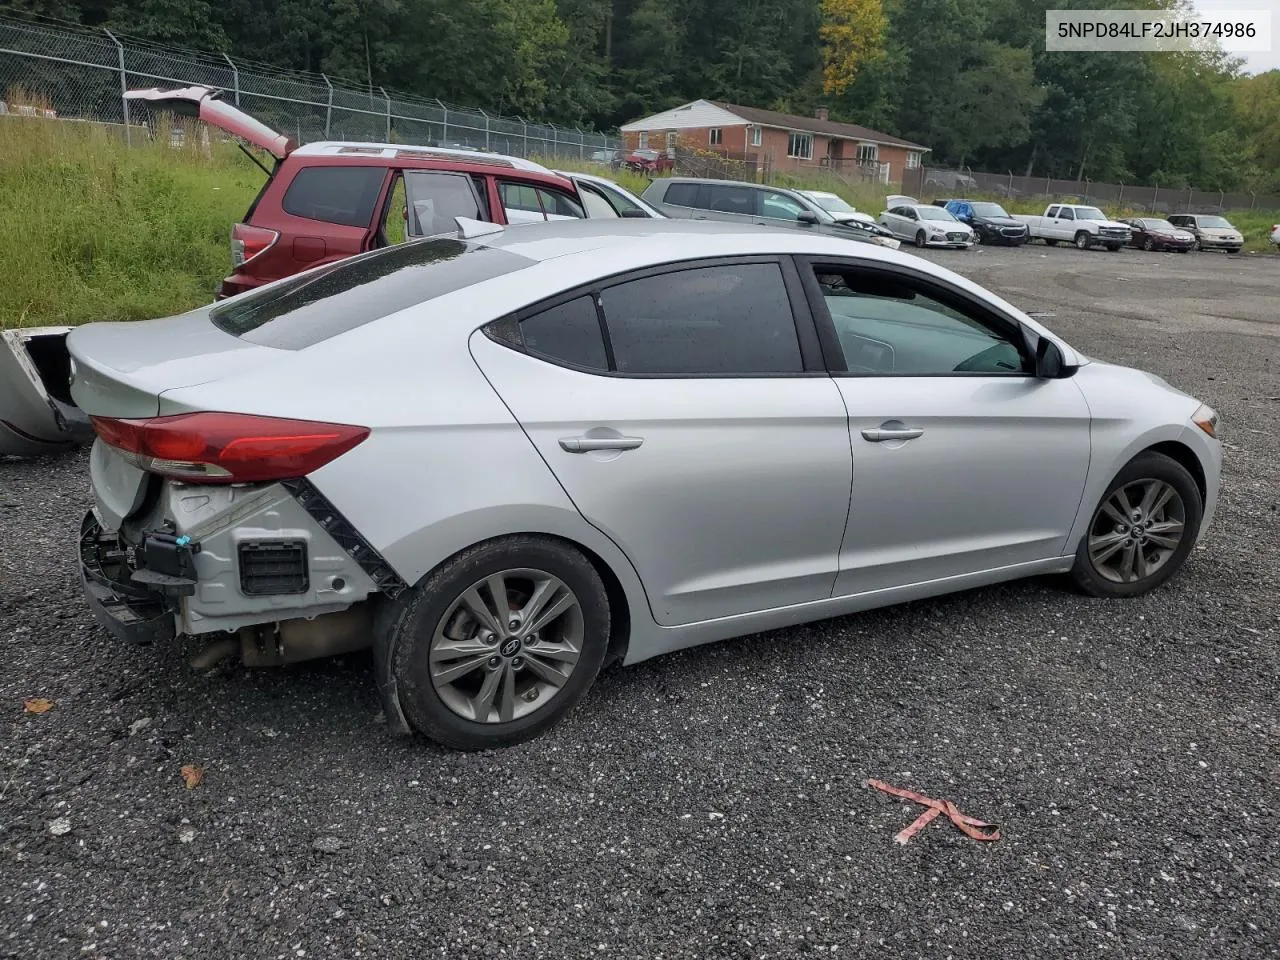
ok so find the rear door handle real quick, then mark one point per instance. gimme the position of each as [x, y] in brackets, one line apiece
[586, 444]
[881, 434]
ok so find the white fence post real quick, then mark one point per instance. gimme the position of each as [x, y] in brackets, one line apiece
[124, 86]
[328, 110]
[486, 127]
[444, 132]
[235, 76]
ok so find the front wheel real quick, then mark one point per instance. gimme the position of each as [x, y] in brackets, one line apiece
[921, 239]
[1082, 240]
[1142, 531]
[500, 642]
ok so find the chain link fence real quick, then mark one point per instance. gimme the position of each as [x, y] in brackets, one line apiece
[82, 74]
[935, 182]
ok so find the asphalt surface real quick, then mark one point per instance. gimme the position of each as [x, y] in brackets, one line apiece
[709, 804]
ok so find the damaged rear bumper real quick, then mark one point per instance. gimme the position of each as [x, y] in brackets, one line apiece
[127, 610]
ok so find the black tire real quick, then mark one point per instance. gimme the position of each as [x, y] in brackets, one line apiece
[1113, 247]
[1184, 249]
[1082, 240]
[921, 239]
[412, 633]
[1196, 246]
[1145, 466]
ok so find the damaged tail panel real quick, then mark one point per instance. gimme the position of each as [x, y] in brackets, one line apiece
[37, 414]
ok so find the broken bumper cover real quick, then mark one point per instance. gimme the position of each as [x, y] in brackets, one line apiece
[128, 610]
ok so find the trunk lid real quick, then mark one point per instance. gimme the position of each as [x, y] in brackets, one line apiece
[206, 105]
[121, 369]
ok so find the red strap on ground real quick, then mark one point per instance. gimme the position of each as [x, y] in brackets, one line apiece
[964, 822]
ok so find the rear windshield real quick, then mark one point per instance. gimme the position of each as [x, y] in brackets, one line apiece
[307, 309]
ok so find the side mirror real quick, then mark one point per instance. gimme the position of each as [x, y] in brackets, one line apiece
[807, 216]
[1049, 360]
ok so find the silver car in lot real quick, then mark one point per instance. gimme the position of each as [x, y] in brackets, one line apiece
[505, 459]
[926, 225]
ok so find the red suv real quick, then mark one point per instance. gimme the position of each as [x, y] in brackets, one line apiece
[331, 200]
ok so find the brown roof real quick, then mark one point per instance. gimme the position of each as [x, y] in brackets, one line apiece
[791, 121]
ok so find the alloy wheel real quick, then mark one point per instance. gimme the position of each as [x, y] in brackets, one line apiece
[507, 646]
[1136, 530]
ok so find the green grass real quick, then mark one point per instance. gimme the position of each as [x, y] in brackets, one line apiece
[98, 230]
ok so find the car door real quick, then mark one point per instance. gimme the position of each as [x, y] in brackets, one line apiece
[686, 413]
[1064, 225]
[904, 222]
[434, 198]
[963, 461]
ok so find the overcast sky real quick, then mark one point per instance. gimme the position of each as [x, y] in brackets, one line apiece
[1254, 62]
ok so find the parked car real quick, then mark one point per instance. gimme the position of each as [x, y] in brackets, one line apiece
[839, 208]
[927, 226]
[1211, 232]
[648, 161]
[331, 200]
[1085, 226]
[674, 458]
[1154, 233]
[696, 198]
[1275, 234]
[991, 222]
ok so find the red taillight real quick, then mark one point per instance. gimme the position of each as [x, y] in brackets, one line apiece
[248, 243]
[228, 447]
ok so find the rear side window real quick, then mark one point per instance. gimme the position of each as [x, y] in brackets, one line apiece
[681, 194]
[435, 199]
[568, 333]
[722, 320]
[343, 195]
[312, 307]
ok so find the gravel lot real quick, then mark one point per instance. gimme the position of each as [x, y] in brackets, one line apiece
[709, 804]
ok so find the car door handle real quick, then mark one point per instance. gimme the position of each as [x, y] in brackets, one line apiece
[586, 444]
[881, 434]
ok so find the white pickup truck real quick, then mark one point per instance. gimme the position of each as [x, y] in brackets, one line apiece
[1073, 223]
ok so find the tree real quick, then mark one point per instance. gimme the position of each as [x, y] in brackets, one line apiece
[852, 35]
[995, 97]
[187, 23]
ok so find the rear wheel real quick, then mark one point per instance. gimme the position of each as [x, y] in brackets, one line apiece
[500, 642]
[1082, 240]
[1142, 531]
[921, 239]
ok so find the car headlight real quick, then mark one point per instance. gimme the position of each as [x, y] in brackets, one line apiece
[1206, 418]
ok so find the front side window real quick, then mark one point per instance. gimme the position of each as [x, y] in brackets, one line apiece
[524, 202]
[887, 325]
[800, 146]
[779, 206]
[719, 320]
[342, 195]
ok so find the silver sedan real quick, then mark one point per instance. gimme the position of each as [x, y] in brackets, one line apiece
[926, 225]
[506, 459]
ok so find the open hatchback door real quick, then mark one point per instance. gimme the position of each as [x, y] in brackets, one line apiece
[37, 414]
[205, 104]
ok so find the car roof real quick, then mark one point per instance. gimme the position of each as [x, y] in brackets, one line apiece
[731, 183]
[663, 241]
[395, 151]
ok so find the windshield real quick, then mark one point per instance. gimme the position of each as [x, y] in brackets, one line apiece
[1159, 225]
[1216, 223]
[829, 201]
[1090, 213]
[933, 213]
[989, 210]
